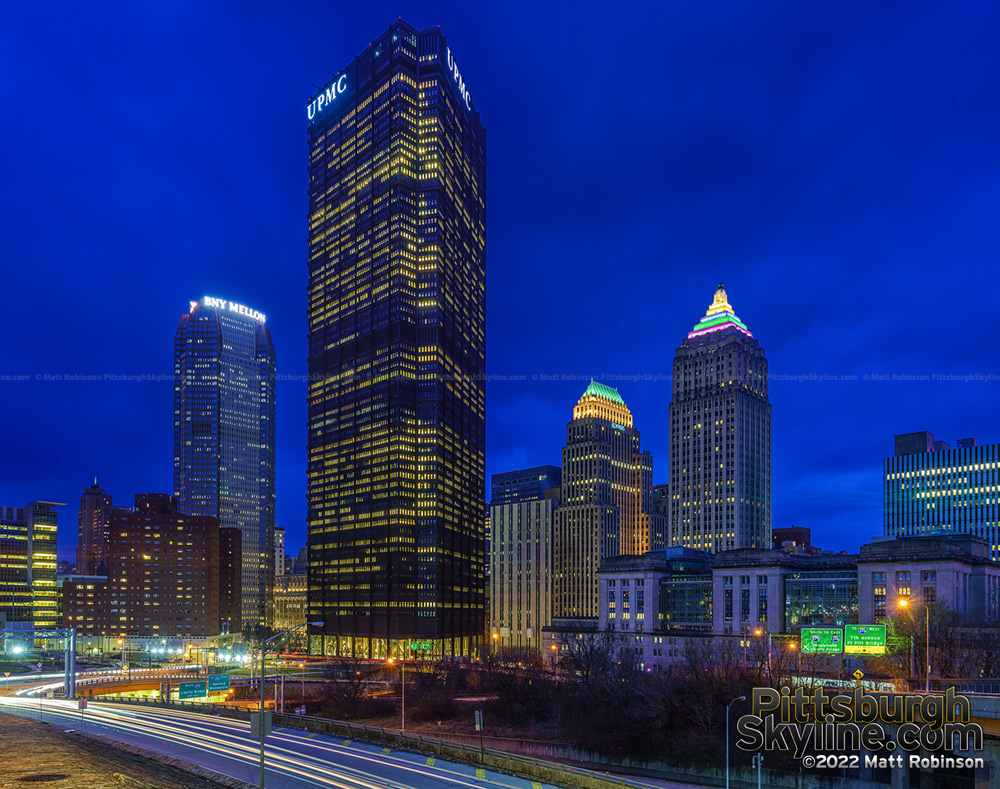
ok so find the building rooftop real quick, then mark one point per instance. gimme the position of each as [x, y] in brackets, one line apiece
[600, 390]
[720, 315]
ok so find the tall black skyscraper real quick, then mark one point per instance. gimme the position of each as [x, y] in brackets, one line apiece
[224, 379]
[397, 352]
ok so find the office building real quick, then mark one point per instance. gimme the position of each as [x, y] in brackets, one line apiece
[521, 516]
[279, 551]
[930, 487]
[167, 576]
[720, 436]
[290, 604]
[605, 507]
[952, 570]
[28, 593]
[224, 387]
[396, 352]
[93, 519]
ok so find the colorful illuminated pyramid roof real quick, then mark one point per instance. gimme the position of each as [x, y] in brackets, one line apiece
[720, 316]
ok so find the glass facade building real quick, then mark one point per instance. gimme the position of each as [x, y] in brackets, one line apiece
[720, 436]
[397, 352]
[930, 488]
[821, 597]
[224, 391]
[28, 590]
[529, 484]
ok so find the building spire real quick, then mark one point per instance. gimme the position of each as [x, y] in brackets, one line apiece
[720, 315]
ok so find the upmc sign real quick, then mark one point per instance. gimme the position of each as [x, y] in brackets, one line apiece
[327, 96]
[457, 77]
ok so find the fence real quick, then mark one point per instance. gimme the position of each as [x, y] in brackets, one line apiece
[541, 769]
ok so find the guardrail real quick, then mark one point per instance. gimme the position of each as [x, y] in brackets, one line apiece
[558, 773]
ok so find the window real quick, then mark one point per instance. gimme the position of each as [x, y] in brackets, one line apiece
[745, 605]
[930, 594]
[878, 594]
[761, 579]
[903, 577]
[745, 579]
[728, 605]
[878, 579]
[929, 576]
[727, 580]
[762, 604]
[903, 591]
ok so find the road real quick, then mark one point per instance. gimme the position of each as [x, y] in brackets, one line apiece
[294, 758]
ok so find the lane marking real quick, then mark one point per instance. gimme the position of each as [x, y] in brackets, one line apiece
[386, 751]
[430, 761]
[480, 772]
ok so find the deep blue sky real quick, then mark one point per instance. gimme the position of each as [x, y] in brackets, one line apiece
[835, 164]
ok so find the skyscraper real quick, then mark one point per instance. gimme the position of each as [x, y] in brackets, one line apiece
[397, 351]
[28, 564]
[93, 520]
[930, 487]
[224, 378]
[606, 501]
[720, 436]
[523, 506]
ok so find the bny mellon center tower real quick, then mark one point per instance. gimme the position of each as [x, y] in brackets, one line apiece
[224, 387]
[397, 353]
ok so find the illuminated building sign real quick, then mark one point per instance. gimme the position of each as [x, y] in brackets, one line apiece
[453, 68]
[230, 306]
[328, 96]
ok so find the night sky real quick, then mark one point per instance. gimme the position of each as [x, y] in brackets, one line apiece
[834, 164]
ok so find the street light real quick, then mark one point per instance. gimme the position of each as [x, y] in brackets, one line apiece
[903, 603]
[739, 698]
[402, 692]
[263, 653]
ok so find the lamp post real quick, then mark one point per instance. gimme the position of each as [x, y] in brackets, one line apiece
[739, 698]
[263, 653]
[402, 692]
[903, 603]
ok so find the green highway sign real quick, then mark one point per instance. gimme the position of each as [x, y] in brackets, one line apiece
[826, 640]
[864, 639]
[420, 645]
[191, 690]
[218, 682]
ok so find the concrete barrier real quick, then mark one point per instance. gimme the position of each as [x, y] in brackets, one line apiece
[538, 769]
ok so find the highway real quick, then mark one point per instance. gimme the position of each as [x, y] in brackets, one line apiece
[294, 758]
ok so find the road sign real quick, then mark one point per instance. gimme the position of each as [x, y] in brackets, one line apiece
[864, 639]
[858, 675]
[479, 720]
[191, 690]
[826, 640]
[6, 673]
[82, 705]
[218, 682]
[124, 666]
[255, 725]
